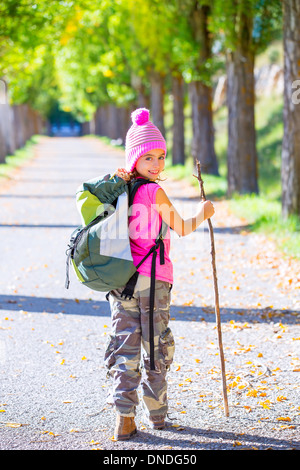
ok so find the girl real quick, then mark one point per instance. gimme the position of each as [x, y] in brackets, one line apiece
[145, 150]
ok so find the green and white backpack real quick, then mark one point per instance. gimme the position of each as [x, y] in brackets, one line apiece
[99, 249]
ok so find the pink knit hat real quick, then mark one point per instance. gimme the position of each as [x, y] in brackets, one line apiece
[142, 137]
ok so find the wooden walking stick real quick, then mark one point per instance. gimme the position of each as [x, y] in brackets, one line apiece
[217, 307]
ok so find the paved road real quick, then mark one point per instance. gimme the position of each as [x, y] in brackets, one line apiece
[53, 385]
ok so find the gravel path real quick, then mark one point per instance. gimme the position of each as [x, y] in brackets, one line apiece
[53, 385]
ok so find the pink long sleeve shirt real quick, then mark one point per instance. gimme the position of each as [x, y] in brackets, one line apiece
[144, 225]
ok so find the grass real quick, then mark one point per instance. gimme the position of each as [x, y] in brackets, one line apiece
[263, 211]
[18, 158]
[264, 216]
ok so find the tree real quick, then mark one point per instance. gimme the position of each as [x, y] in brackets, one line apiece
[29, 32]
[175, 35]
[200, 87]
[291, 137]
[245, 28]
[242, 154]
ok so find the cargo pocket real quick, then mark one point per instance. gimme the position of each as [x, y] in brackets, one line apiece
[167, 346]
[109, 356]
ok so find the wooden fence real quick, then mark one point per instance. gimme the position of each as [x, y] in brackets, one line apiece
[17, 124]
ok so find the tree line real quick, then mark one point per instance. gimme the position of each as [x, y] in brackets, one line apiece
[99, 57]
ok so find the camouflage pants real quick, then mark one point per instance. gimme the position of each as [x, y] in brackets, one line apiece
[128, 349]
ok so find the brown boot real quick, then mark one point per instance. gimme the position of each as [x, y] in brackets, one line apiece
[157, 422]
[125, 428]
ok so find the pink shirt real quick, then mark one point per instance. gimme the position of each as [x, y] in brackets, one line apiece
[144, 225]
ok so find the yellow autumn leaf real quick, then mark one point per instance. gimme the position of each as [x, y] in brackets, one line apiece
[265, 404]
[286, 426]
[284, 419]
[281, 398]
[15, 425]
[233, 384]
[252, 393]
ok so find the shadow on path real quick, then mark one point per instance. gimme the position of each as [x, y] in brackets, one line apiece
[37, 196]
[177, 312]
[221, 230]
[208, 439]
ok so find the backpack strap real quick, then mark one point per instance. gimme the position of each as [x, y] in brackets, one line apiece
[129, 288]
[133, 187]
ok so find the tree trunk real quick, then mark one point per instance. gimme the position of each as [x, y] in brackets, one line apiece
[157, 101]
[143, 98]
[200, 92]
[241, 152]
[203, 147]
[178, 155]
[290, 173]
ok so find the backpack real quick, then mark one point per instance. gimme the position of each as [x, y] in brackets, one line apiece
[104, 262]
[99, 249]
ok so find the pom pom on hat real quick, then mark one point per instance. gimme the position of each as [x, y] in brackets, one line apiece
[140, 116]
[142, 137]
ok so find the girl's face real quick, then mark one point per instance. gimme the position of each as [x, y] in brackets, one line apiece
[151, 164]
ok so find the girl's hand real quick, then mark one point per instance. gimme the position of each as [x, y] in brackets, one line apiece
[208, 209]
[122, 173]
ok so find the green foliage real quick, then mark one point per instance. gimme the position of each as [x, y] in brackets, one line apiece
[28, 34]
[263, 18]
[84, 54]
